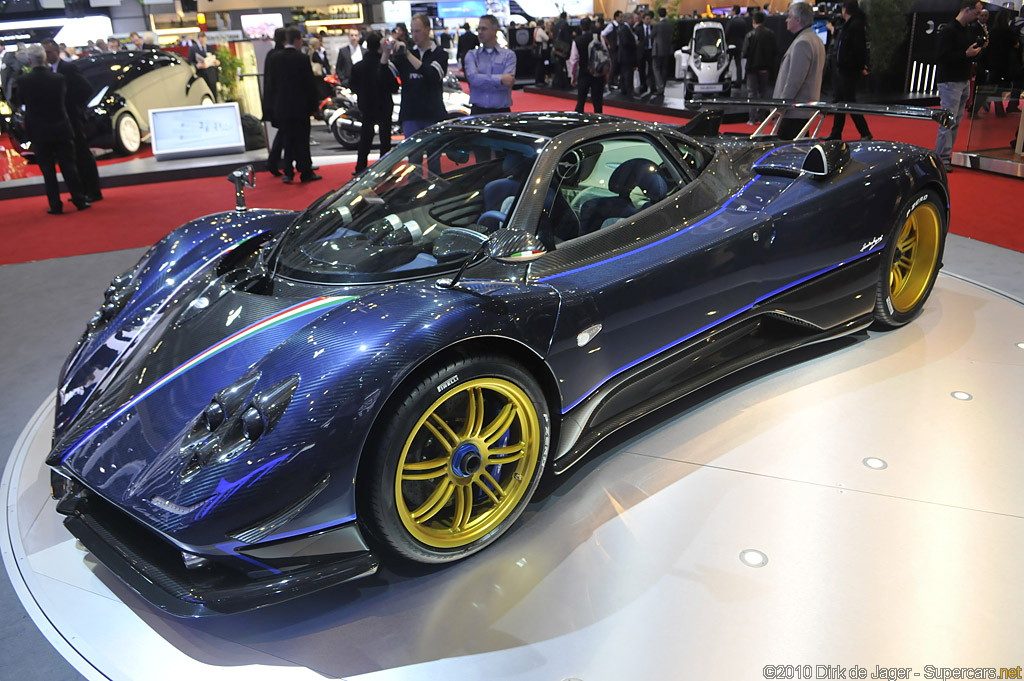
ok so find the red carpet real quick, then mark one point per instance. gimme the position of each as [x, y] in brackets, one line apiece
[140, 215]
[985, 206]
[14, 167]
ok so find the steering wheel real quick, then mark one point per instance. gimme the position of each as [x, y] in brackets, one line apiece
[570, 166]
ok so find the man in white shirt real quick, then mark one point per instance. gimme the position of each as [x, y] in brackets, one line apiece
[610, 36]
[349, 55]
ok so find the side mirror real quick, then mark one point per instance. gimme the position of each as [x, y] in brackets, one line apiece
[242, 177]
[685, 49]
[514, 246]
[506, 246]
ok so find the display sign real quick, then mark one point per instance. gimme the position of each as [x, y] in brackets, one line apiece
[551, 8]
[397, 12]
[188, 131]
[256, 26]
[353, 12]
[461, 9]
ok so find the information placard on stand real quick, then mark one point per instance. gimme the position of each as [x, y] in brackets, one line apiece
[189, 131]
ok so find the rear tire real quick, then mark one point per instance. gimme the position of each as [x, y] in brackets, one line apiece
[457, 462]
[345, 136]
[910, 260]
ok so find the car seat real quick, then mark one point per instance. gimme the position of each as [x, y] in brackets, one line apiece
[637, 173]
[498, 194]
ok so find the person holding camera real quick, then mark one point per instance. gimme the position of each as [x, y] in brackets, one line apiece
[957, 47]
[421, 70]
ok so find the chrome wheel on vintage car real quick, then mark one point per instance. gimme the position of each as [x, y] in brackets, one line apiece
[460, 460]
[911, 260]
[127, 136]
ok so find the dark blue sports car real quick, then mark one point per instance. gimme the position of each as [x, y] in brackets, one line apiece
[270, 401]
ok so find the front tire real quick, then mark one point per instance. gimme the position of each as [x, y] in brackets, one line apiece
[911, 260]
[127, 136]
[458, 461]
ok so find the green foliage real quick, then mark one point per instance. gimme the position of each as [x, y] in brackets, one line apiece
[228, 75]
[887, 31]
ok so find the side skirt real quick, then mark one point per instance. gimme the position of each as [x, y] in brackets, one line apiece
[835, 305]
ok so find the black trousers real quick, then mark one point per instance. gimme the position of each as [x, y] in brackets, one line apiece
[845, 87]
[48, 155]
[595, 86]
[85, 162]
[383, 124]
[646, 68]
[626, 78]
[664, 66]
[296, 146]
[613, 57]
[276, 147]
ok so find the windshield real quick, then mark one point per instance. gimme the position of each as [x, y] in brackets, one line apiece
[424, 208]
[708, 43]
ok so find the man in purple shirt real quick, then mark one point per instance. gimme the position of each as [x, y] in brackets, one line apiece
[490, 70]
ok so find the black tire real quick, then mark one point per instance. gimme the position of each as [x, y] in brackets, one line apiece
[127, 135]
[452, 460]
[910, 260]
[345, 136]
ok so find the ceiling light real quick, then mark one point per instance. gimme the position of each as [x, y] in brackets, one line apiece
[753, 558]
[874, 463]
[961, 395]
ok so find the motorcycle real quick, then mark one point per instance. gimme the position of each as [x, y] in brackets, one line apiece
[346, 123]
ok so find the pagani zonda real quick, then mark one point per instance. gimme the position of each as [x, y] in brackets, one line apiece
[269, 401]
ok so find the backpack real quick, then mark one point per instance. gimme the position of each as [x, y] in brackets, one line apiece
[599, 63]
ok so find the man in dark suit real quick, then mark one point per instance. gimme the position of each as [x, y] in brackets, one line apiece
[662, 51]
[46, 121]
[348, 56]
[374, 84]
[467, 42]
[736, 30]
[274, 157]
[645, 52]
[627, 54]
[207, 65]
[850, 64]
[294, 101]
[77, 95]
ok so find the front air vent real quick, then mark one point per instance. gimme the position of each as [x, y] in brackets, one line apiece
[266, 527]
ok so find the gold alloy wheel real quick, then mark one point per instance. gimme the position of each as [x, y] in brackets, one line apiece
[467, 463]
[915, 257]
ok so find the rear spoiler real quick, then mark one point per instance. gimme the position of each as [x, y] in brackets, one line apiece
[777, 107]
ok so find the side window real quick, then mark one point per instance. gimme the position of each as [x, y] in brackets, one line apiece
[597, 184]
[694, 157]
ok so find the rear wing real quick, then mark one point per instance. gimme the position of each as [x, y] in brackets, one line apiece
[777, 108]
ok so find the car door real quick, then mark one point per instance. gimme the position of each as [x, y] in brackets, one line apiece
[645, 280]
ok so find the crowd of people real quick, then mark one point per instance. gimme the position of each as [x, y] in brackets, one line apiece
[594, 57]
